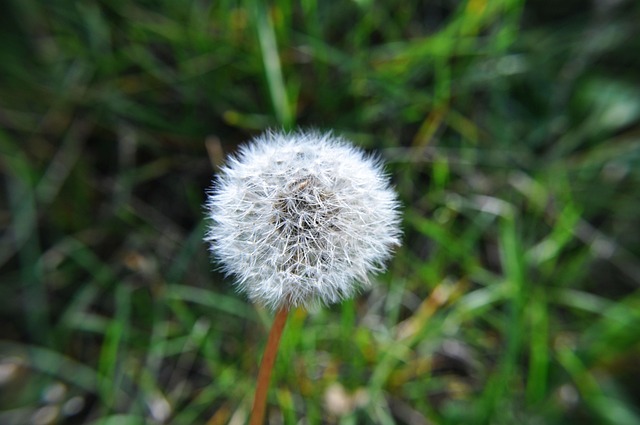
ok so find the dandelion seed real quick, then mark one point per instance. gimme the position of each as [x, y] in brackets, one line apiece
[301, 219]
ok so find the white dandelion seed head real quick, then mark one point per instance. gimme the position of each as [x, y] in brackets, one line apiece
[301, 219]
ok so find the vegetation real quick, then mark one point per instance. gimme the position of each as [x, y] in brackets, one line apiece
[511, 130]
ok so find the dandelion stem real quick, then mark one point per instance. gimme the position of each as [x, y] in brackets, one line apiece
[268, 359]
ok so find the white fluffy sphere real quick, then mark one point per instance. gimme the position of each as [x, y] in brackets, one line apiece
[302, 218]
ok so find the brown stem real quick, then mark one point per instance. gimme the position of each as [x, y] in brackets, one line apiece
[268, 359]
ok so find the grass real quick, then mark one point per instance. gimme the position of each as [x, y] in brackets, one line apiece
[511, 130]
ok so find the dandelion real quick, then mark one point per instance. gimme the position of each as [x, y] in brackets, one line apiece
[300, 219]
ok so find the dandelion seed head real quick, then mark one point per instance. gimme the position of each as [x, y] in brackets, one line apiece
[300, 219]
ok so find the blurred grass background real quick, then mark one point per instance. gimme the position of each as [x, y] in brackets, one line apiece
[510, 128]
